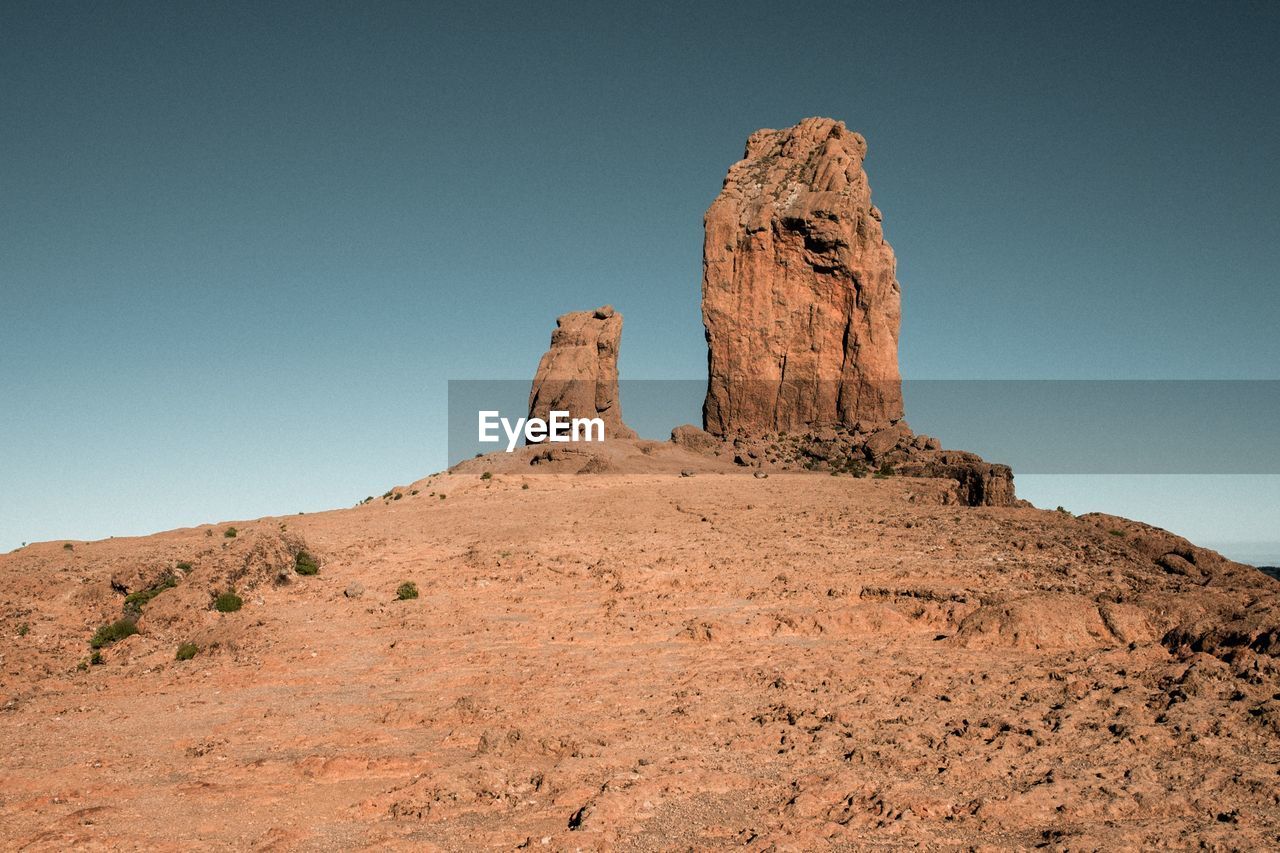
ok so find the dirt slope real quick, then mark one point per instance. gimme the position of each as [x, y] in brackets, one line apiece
[644, 661]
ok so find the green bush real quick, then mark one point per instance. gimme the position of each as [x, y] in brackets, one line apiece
[886, 470]
[305, 564]
[228, 602]
[186, 651]
[95, 659]
[1116, 532]
[230, 533]
[184, 567]
[108, 634]
[487, 475]
[24, 629]
[407, 590]
[138, 600]
[68, 547]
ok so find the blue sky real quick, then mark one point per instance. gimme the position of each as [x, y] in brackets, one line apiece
[246, 244]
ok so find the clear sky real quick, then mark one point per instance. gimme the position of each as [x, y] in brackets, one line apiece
[244, 245]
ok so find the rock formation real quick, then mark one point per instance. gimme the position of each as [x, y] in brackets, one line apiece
[801, 308]
[579, 373]
[799, 297]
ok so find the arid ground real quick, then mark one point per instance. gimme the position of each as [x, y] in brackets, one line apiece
[641, 660]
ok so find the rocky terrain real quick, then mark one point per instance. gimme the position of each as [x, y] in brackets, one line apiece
[799, 626]
[643, 660]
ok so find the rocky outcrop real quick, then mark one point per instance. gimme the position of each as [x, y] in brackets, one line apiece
[799, 295]
[801, 307]
[889, 451]
[978, 483]
[579, 373]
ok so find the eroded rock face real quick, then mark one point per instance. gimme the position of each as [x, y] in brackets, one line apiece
[579, 373]
[799, 295]
[887, 452]
[978, 483]
[801, 306]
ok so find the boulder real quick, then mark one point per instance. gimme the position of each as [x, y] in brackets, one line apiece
[880, 442]
[695, 440]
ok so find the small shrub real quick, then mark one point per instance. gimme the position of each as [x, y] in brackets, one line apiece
[184, 567]
[524, 485]
[1116, 532]
[186, 651]
[230, 533]
[95, 659]
[228, 602]
[138, 600]
[886, 470]
[305, 564]
[397, 496]
[1064, 510]
[24, 629]
[68, 547]
[387, 494]
[108, 634]
[407, 590]
[487, 475]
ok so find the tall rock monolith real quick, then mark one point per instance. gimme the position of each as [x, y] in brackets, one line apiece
[799, 295]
